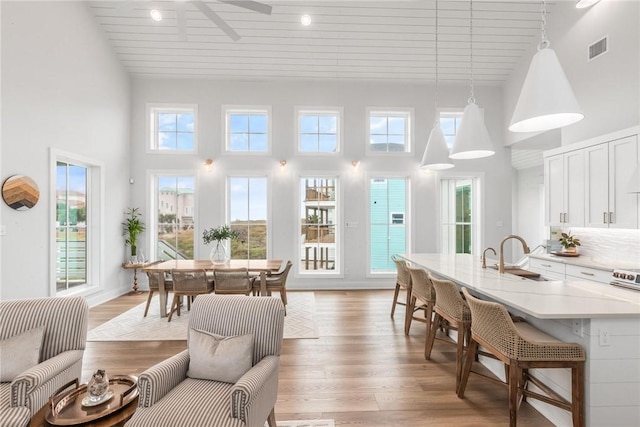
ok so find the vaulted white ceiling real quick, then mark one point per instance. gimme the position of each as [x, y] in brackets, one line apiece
[347, 40]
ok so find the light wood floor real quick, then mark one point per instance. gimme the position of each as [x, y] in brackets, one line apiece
[362, 371]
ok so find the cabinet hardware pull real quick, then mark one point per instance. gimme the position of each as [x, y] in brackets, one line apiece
[546, 265]
[604, 217]
[610, 217]
[565, 217]
[587, 274]
[560, 216]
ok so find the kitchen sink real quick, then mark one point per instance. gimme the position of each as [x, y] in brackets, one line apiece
[517, 271]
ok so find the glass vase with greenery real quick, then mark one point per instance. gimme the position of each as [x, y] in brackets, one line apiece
[219, 235]
[133, 226]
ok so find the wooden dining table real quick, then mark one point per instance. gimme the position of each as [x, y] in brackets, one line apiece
[258, 266]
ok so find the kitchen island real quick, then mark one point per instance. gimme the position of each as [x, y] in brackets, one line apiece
[604, 319]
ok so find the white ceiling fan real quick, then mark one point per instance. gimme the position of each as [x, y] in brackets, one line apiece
[213, 16]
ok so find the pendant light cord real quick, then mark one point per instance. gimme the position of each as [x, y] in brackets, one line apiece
[437, 121]
[472, 98]
[544, 43]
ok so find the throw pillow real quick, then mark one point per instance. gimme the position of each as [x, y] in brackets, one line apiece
[218, 358]
[19, 353]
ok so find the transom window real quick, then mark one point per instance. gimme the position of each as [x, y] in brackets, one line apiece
[450, 123]
[247, 129]
[248, 216]
[319, 130]
[173, 127]
[389, 131]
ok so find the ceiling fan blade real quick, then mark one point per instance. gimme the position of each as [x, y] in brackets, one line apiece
[215, 18]
[181, 22]
[251, 5]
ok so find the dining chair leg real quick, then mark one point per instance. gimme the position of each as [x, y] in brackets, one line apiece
[175, 306]
[283, 296]
[146, 309]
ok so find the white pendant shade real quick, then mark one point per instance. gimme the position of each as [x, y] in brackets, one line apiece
[472, 139]
[546, 100]
[634, 184]
[436, 155]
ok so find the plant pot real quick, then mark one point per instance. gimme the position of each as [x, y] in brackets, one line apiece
[571, 250]
[219, 253]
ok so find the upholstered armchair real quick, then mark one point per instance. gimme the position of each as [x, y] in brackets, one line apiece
[49, 336]
[172, 394]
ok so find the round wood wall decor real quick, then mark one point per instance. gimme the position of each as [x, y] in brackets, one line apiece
[20, 192]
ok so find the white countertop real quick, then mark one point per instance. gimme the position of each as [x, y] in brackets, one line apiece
[559, 299]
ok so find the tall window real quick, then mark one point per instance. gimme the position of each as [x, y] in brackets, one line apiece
[319, 130]
[247, 129]
[319, 230]
[387, 222]
[173, 128]
[458, 216]
[175, 207]
[450, 123]
[389, 131]
[248, 216]
[71, 225]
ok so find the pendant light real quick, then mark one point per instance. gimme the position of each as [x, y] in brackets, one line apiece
[436, 154]
[546, 100]
[472, 139]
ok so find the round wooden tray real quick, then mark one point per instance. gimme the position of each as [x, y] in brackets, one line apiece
[66, 408]
[567, 254]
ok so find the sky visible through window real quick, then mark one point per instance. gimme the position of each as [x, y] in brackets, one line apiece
[247, 199]
[248, 132]
[319, 132]
[175, 131]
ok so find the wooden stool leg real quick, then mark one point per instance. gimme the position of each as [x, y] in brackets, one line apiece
[395, 299]
[577, 395]
[460, 353]
[466, 370]
[428, 315]
[408, 315]
[432, 336]
[514, 381]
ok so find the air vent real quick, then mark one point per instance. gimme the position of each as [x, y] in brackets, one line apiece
[598, 48]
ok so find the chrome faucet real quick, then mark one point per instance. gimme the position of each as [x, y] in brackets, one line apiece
[501, 256]
[484, 256]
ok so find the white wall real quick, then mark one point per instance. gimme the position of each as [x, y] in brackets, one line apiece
[608, 87]
[354, 97]
[64, 88]
[528, 215]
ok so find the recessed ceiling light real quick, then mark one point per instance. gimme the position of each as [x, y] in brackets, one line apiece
[305, 20]
[156, 15]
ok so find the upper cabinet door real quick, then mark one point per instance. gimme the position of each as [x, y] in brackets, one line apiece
[597, 186]
[554, 190]
[574, 189]
[624, 157]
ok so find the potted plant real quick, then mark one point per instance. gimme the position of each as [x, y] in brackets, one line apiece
[569, 243]
[220, 235]
[132, 228]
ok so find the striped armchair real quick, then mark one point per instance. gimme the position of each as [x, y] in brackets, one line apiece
[169, 398]
[65, 335]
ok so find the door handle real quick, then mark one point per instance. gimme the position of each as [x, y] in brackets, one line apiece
[587, 274]
[546, 265]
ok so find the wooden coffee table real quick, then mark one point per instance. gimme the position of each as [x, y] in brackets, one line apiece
[114, 416]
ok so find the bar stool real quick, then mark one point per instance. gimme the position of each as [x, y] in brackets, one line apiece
[452, 308]
[522, 347]
[403, 281]
[422, 293]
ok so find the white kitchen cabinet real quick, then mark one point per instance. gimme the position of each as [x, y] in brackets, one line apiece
[564, 189]
[608, 170]
[548, 269]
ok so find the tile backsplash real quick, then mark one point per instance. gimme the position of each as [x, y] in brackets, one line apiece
[617, 247]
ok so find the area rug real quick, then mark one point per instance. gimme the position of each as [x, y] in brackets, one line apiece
[132, 326]
[306, 423]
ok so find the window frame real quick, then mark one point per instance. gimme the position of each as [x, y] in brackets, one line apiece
[227, 204]
[338, 272]
[407, 218]
[408, 113]
[152, 109]
[455, 113]
[227, 110]
[327, 110]
[96, 190]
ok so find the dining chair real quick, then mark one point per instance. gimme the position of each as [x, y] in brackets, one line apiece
[230, 281]
[276, 281]
[188, 283]
[154, 284]
[403, 282]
